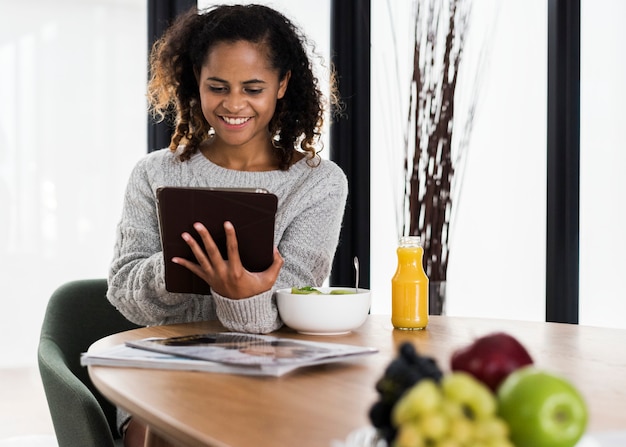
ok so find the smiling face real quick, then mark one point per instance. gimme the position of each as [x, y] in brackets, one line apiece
[238, 92]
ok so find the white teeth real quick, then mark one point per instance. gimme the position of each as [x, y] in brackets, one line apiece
[235, 121]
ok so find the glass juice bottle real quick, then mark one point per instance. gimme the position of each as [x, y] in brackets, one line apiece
[409, 287]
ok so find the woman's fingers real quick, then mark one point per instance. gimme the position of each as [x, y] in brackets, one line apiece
[232, 246]
[227, 277]
[195, 268]
[197, 251]
[209, 257]
[203, 268]
[212, 252]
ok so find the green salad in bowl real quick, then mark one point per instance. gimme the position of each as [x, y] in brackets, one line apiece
[308, 290]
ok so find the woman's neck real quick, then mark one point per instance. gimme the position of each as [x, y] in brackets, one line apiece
[240, 158]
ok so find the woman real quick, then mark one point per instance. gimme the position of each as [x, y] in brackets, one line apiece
[248, 112]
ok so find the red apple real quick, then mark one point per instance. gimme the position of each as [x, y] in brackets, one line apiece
[491, 358]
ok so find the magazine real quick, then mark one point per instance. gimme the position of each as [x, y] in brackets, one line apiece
[122, 355]
[226, 352]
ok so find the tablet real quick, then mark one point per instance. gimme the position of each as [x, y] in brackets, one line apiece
[251, 211]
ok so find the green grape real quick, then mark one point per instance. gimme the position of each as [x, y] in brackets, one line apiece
[461, 430]
[434, 426]
[408, 436]
[474, 443]
[475, 397]
[448, 442]
[452, 409]
[483, 403]
[422, 398]
[458, 412]
[491, 443]
[491, 429]
[503, 442]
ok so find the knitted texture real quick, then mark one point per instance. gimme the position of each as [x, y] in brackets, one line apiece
[311, 203]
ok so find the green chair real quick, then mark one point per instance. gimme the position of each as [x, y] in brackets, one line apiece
[77, 315]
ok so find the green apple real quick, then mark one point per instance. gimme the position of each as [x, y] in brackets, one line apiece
[541, 409]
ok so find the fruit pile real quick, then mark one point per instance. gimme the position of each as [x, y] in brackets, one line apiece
[493, 396]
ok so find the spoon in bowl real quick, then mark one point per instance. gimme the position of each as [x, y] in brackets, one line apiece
[356, 271]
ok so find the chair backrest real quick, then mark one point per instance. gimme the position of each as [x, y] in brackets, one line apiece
[77, 315]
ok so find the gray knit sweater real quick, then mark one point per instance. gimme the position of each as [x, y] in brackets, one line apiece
[311, 202]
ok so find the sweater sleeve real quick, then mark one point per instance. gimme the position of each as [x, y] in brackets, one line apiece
[137, 271]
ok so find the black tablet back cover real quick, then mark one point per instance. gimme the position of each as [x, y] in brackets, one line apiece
[252, 212]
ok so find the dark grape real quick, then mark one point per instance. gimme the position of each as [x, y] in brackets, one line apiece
[408, 352]
[388, 433]
[398, 377]
[404, 371]
[429, 368]
[380, 414]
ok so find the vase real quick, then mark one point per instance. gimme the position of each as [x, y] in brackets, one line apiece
[437, 297]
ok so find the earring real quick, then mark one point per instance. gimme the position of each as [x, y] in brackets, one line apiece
[276, 142]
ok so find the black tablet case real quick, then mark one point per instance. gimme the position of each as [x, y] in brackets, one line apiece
[252, 212]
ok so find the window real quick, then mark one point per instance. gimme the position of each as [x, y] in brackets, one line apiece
[602, 159]
[497, 255]
[72, 125]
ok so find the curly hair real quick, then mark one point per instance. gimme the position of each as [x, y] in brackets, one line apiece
[173, 93]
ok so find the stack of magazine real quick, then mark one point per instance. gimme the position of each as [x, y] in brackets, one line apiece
[225, 352]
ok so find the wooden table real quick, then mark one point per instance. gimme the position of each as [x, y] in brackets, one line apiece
[315, 405]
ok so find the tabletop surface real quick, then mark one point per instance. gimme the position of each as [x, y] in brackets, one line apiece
[315, 405]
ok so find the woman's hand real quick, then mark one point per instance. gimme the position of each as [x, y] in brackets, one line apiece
[227, 277]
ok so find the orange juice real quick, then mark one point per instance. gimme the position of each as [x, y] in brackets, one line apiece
[409, 287]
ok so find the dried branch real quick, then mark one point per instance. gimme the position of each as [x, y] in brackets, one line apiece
[429, 167]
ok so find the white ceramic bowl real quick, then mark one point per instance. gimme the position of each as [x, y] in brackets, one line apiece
[324, 314]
